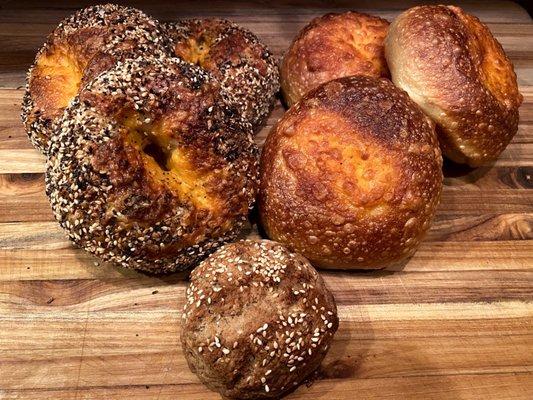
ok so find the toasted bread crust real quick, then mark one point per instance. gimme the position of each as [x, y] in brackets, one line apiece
[333, 46]
[458, 73]
[82, 46]
[257, 321]
[351, 175]
[245, 67]
[147, 170]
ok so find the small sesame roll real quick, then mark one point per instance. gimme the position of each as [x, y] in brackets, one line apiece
[82, 46]
[245, 67]
[147, 170]
[258, 320]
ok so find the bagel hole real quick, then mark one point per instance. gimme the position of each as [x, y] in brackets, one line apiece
[159, 155]
[165, 159]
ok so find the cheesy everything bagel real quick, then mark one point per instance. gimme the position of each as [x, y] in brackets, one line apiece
[147, 169]
[246, 69]
[82, 46]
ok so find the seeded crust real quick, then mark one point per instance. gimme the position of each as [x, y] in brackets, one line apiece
[257, 321]
[333, 46]
[146, 171]
[458, 73]
[245, 67]
[82, 46]
[351, 175]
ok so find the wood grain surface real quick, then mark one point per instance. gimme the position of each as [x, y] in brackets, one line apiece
[455, 323]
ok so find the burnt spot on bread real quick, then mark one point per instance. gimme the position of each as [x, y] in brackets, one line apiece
[273, 324]
[146, 171]
[245, 67]
[351, 175]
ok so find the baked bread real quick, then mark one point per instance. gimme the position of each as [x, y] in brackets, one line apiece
[257, 321]
[246, 69]
[457, 72]
[147, 171]
[82, 46]
[333, 46]
[351, 175]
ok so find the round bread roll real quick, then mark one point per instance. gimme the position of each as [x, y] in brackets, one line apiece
[351, 175]
[246, 69]
[457, 72]
[258, 320]
[147, 171]
[330, 47]
[82, 46]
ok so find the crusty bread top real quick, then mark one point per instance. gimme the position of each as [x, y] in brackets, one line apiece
[333, 46]
[452, 66]
[351, 175]
[258, 319]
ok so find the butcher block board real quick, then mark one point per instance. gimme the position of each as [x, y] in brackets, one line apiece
[454, 323]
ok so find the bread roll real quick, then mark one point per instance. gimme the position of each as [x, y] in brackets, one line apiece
[147, 171]
[258, 320]
[457, 72]
[351, 175]
[333, 46]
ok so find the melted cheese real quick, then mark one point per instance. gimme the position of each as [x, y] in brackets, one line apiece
[175, 169]
[62, 71]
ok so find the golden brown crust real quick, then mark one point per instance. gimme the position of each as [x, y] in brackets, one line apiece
[452, 66]
[351, 175]
[82, 46]
[333, 46]
[147, 170]
[258, 320]
[245, 67]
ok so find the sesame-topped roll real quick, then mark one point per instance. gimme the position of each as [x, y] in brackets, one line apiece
[258, 320]
[247, 70]
[147, 170]
[85, 44]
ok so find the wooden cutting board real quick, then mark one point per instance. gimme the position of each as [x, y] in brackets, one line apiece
[455, 323]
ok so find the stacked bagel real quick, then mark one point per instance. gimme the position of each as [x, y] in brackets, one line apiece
[151, 161]
[151, 164]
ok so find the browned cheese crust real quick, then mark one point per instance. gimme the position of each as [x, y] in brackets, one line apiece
[245, 67]
[258, 320]
[333, 46]
[458, 73]
[351, 175]
[82, 46]
[146, 171]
